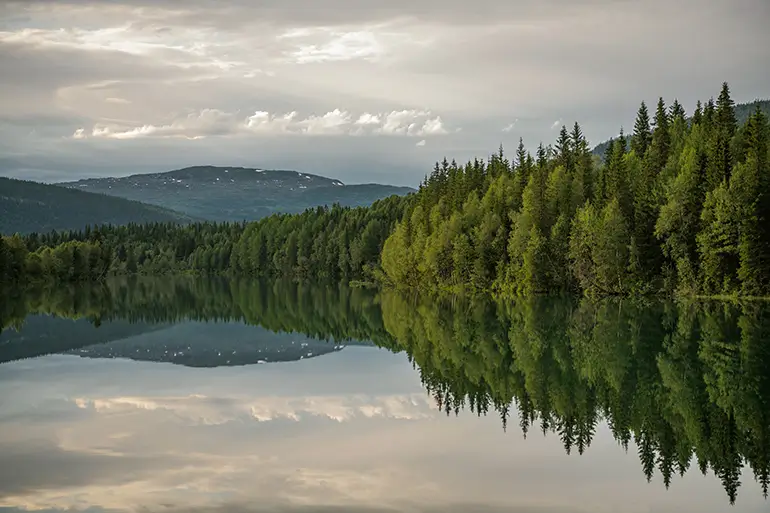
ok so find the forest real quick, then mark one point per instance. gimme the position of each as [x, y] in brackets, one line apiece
[679, 206]
[28, 207]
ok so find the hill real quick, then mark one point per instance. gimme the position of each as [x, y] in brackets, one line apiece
[190, 343]
[742, 113]
[203, 344]
[237, 193]
[27, 207]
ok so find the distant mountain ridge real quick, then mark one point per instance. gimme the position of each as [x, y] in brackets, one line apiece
[220, 193]
[27, 207]
[203, 344]
[188, 343]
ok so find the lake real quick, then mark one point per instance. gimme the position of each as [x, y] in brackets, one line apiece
[185, 394]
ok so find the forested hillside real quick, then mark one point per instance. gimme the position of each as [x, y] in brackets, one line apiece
[28, 207]
[681, 207]
[337, 242]
[684, 207]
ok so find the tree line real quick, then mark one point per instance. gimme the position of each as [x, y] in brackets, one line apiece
[322, 243]
[679, 206]
[682, 208]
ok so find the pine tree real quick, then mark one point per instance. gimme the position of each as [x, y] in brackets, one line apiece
[677, 111]
[564, 150]
[723, 127]
[583, 174]
[725, 112]
[697, 116]
[750, 188]
[661, 140]
[642, 134]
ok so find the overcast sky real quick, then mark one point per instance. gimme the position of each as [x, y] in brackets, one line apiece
[360, 90]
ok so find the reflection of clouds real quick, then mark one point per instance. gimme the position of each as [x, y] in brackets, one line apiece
[198, 408]
[348, 434]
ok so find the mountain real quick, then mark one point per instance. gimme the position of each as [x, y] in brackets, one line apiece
[742, 113]
[35, 207]
[190, 343]
[49, 334]
[202, 344]
[236, 193]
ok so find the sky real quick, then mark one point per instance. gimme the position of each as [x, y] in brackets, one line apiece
[358, 90]
[350, 432]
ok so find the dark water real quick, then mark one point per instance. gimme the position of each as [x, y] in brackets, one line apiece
[197, 395]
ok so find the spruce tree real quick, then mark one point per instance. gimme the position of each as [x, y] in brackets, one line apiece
[642, 134]
[697, 116]
[677, 111]
[661, 139]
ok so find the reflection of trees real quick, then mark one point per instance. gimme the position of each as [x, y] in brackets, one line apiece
[688, 383]
[324, 312]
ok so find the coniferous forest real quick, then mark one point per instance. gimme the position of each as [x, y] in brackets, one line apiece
[679, 206]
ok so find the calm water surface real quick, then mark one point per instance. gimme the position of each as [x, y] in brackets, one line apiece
[191, 395]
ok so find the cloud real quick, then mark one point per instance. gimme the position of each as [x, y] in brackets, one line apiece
[206, 123]
[121, 101]
[215, 122]
[433, 127]
[334, 122]
[420, 143]
[368, 119]
[201, 409]
[67, 60]
[411, 123]
[262, 121]
[341, 46]
[509, 127]
[556, 124]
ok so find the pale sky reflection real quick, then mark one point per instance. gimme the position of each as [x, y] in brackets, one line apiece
[352, 431]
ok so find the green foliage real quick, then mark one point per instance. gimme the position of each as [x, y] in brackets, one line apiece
[685, 210]
[27, 207]
[686, 382]
[682, 211]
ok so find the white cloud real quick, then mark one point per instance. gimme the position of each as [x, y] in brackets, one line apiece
[199, 409]
[334, 122]
[556, 124]
[264, 122]
[401, 122]
[509, 127]
[121, 101]
[368, 119]
[215, 122]
[421, 143]
[416, 123]
[340, 47]
[207, 122]
[433, 127]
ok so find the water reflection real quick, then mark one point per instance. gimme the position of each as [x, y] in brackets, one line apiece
[684, 388]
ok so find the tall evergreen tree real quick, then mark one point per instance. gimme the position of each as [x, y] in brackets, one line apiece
[642, 134]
